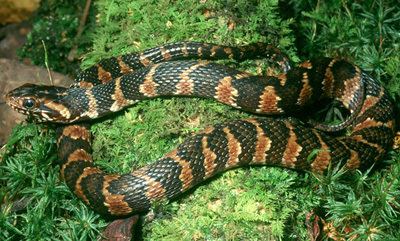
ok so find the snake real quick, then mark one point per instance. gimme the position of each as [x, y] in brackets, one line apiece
[278, 134]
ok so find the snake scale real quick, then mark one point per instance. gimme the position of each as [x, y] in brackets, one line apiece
[170, 70]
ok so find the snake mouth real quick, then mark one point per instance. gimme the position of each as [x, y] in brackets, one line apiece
[14, 103]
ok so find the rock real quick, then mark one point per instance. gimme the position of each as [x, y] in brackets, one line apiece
[12, 37]
[14, 74]
[120, 229]
[12, 11]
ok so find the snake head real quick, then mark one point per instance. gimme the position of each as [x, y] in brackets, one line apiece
[40, 102]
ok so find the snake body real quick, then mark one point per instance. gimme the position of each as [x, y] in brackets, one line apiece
[116, 83]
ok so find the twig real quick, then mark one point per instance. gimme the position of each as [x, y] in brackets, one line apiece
[72, 52]
[46, 62]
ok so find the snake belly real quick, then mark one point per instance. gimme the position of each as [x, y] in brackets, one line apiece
[287, 142]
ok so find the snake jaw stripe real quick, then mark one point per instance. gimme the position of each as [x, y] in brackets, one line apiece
[60, 108]
[225, 92]
[46, 117]
[269, 101]
[149, 87]
[292, 150]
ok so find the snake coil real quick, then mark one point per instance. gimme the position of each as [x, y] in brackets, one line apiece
[118, 82]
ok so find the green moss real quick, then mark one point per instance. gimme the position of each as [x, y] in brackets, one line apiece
[54, 29]
[139, 25]
[36, 205]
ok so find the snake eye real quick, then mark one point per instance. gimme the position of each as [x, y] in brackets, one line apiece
[29, 103]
